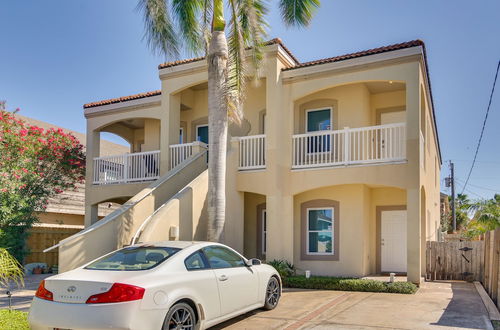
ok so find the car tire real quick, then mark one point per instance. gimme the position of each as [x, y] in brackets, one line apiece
[273, 294]
[183, 315]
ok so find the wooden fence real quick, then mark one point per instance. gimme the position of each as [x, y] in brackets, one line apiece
[455, 260]
[492, 264]
[43, 237]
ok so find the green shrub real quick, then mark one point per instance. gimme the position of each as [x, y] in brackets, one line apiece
[401, 287]
[283, 267]
[13, 320]
[347, 284]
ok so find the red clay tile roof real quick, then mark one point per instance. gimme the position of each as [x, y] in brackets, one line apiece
[122, 99]
[196, 59]
[373, 51]
[175, 63]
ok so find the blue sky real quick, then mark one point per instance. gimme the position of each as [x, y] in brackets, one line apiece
[58, 54]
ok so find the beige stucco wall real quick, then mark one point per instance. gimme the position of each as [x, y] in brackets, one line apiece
[186, 210]
[60, 218]
[351, 217]
[197, 100]
[357, 223]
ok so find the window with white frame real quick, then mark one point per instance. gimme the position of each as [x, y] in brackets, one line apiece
[320, 227]
[318, 120]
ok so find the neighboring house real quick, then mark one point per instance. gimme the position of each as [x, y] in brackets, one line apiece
[335, 167]
[64, 215]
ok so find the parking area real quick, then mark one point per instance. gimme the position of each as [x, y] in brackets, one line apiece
[437, 305]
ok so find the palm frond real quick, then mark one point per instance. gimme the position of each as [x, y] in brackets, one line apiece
[254, 27]
[10, 269]
[298, 12]
[159, 30]
[206, 17]
[187, 14]
[236, 74]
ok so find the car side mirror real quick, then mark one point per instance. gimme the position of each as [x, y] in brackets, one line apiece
[252, 262]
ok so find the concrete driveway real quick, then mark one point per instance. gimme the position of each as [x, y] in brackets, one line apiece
[437, 305]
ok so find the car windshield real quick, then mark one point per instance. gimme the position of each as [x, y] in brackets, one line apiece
[134, 258]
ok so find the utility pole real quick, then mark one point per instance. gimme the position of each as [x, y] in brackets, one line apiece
[452, 179]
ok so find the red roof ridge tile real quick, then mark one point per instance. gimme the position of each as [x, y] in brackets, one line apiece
[373, 51]
[196, 59]
[122, 99]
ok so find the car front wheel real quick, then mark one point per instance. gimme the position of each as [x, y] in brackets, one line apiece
[273, 294]
[180, 316]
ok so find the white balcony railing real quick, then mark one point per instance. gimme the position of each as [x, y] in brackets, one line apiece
[181, 152]
[374, 144]
[252, 152]
[141, 166]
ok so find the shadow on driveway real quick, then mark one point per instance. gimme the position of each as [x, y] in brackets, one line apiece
[465, 308]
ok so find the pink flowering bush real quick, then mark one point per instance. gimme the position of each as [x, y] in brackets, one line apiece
[35, 164]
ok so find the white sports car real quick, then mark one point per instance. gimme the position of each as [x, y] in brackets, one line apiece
[169, 285]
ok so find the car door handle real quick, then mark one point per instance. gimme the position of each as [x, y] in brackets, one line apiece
[223, 278]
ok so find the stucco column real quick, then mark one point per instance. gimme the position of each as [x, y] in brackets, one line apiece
[413, 200]
[92, 151]
[91, 214]
[234, 230]
[279, 200]
[280, 243]
[413, 235]
[170, 126]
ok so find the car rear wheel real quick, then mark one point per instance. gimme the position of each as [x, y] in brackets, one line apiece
[180, 316]
[273, 294]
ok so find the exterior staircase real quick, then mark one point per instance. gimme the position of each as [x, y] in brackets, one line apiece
[172, 207]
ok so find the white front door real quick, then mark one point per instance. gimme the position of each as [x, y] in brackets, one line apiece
[393, 241]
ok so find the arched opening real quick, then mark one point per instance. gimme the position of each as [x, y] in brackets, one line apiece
[134, 154]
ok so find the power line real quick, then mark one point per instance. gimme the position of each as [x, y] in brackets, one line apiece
[479, 187]
[482, 129]
[470, 191]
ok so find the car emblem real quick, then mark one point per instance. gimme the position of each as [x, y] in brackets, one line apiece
[71, 288]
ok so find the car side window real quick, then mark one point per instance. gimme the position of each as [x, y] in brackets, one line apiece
[196, 261]
[221, 257]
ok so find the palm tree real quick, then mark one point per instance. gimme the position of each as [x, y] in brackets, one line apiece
[487, 212]
[199, 26]
[10, 269]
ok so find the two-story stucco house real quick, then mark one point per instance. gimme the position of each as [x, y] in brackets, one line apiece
[335, 168]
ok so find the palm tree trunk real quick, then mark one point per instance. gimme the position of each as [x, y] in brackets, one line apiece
[217, 132]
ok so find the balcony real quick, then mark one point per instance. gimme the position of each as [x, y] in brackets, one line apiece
[127, 168]
[350, 146]
[252, 154]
